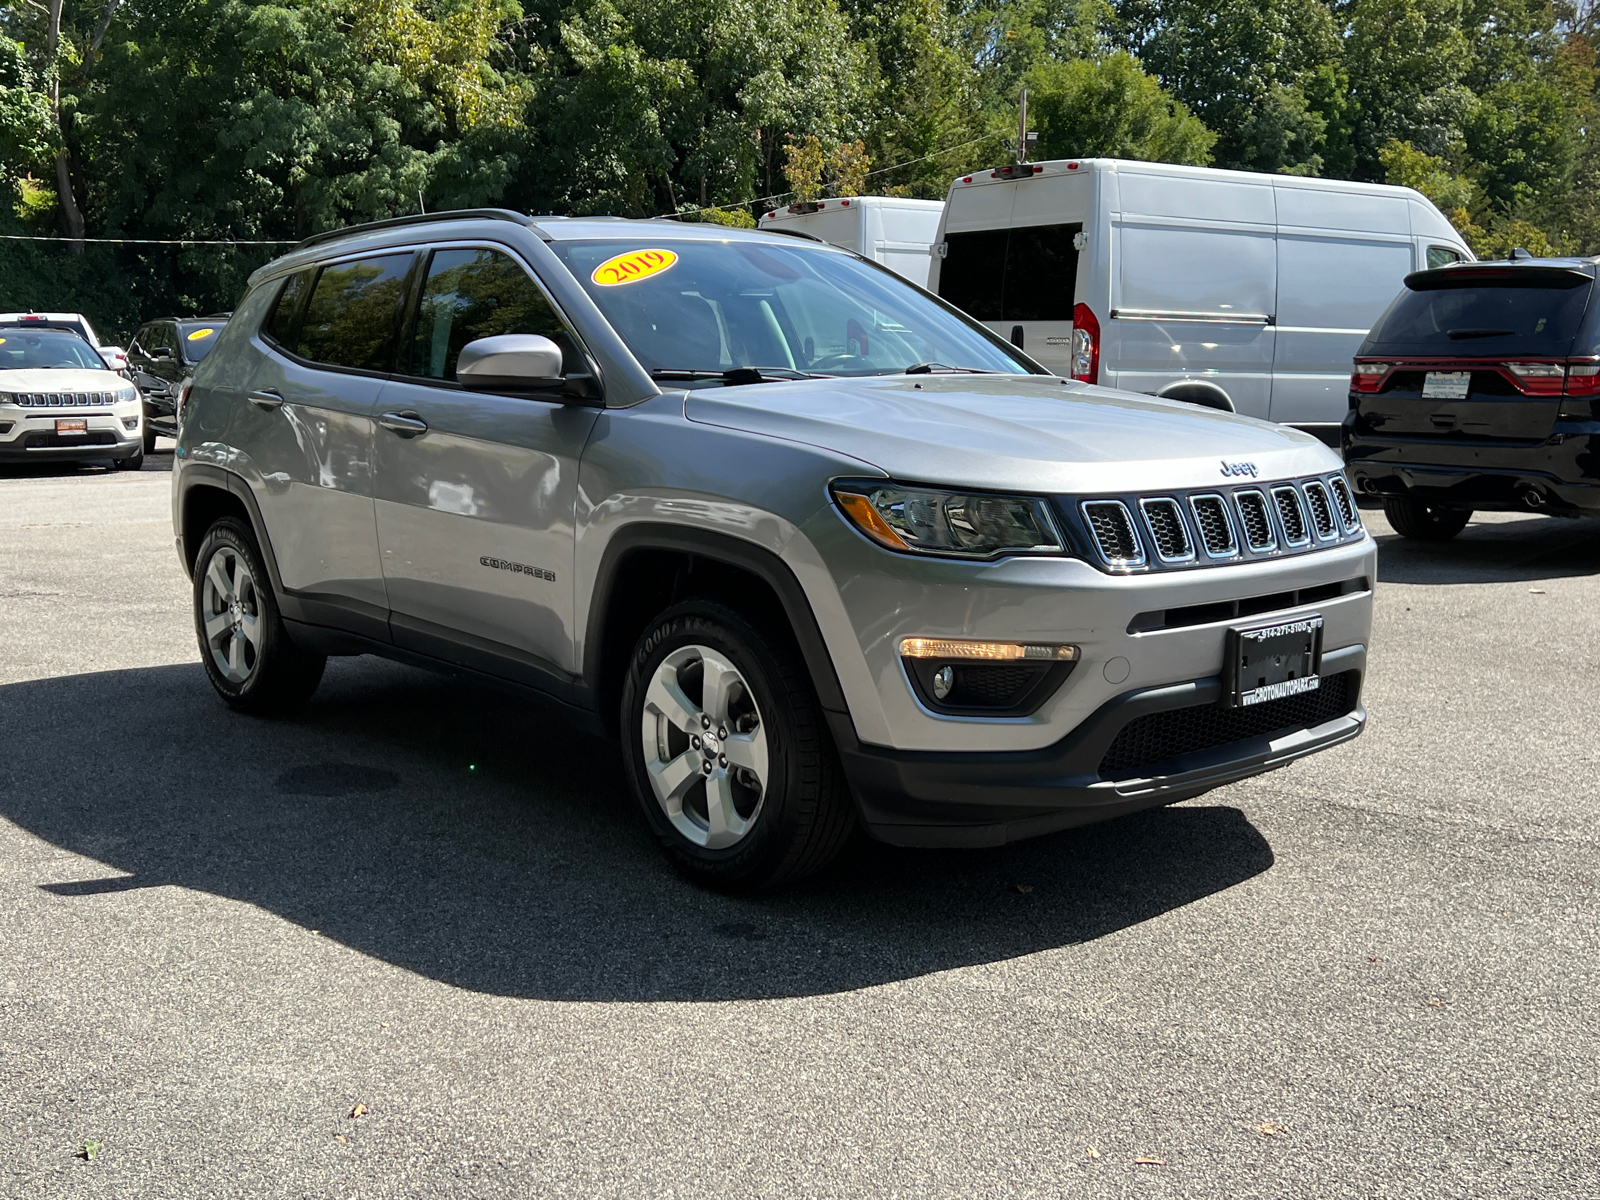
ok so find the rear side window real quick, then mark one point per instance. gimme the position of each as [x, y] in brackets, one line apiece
[353, 312]
[1523, 311]
[470, 294]
[197, 338]
[1441, 256]
[283, 324]
[1025, 274]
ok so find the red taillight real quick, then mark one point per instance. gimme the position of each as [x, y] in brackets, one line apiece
[1085, 345]
[1369, 376]
[1583, 379]
[1538, 378]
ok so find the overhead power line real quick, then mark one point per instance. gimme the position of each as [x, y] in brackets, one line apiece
[689, 212]
[40, 237]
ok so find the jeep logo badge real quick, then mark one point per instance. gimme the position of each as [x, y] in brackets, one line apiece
[1239, 468]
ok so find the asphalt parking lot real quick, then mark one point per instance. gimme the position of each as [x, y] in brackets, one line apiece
[413, 942]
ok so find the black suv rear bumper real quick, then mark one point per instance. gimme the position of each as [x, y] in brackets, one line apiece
[987, 799]
[1561, 475]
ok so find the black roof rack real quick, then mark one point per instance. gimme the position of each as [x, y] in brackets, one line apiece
[484, 214]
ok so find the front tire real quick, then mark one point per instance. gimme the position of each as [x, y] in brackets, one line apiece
[132, 463]
[149, 444]
[728, 752]
[1423, 522]
[249, 657]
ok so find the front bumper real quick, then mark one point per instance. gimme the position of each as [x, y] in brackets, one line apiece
[31, 436]
[1096, 772]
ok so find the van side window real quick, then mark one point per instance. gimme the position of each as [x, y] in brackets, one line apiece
[1025, 274]
[470, 294]
[353, 311]
[1441, 256]
[281, 325]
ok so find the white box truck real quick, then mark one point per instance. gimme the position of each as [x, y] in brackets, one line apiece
[890, 230]
[1241, 291]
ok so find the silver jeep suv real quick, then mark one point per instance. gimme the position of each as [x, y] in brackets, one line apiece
[817, 548]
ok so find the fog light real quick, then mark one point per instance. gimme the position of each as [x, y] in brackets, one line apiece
[130, 422]
[918, 647]
[943, 680]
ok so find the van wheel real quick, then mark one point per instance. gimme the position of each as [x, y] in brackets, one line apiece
[1426, 523]
[248, 655]
[728, 753]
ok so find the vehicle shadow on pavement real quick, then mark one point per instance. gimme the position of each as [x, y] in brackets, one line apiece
[1499, 551]
[477, 839]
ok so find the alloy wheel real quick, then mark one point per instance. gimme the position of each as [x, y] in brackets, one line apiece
[231, 610]
[705, 747]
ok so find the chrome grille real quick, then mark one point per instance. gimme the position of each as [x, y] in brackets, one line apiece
[1321, 511]
[1216, 530]
[1346, 502]
[1257, 523]
[1113, 532]
[1164, 519]
[1293, 516]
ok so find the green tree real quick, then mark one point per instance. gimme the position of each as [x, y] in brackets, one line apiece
[1111, 109]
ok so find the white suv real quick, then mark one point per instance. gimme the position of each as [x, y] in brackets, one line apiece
[59, 401]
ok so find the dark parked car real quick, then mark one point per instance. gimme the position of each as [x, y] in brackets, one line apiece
[1479, 389]
[164, 353]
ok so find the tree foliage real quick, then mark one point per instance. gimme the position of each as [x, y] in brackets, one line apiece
[272, 119]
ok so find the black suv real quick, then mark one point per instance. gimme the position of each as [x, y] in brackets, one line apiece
[1479, 389]
[163, 354]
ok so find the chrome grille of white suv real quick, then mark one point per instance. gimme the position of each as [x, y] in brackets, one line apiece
[1231, 525]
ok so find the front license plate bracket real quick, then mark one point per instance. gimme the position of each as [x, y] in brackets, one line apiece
[72, 425]
[1272, 661]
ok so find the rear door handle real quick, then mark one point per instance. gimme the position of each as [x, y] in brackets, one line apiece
[267, 399]
[407, 425]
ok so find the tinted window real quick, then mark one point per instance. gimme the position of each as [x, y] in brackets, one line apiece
[1522, 314]
[712, 306]
[471, 294]
[284, 321]
[196, 338]
[973, 272]
[1441, 256]
[1025, 274]
[353, 311]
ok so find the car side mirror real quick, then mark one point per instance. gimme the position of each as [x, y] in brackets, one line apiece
[512, 362]
[161, 352]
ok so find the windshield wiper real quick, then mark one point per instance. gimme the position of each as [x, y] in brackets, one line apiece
[1463, 334]
[931, 368]
[734, 377]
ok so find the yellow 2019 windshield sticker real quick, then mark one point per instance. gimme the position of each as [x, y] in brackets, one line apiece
[201, 333]
[632, 267]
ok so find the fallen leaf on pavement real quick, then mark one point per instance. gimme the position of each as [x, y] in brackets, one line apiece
[1535, 591]
[360, 1110]
[1435, 1004]
[1268, 1129]
[1092, 1152]
[88, 1151]
[1149, 1162]
[339, 1137]
[1024, 888]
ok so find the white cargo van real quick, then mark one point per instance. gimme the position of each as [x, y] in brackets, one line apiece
[1241, 291]
[887, 229]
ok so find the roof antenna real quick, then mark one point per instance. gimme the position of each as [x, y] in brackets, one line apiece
[421, 207]
[1520, 253]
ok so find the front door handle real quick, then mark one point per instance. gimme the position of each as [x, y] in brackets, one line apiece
[407, 425]
[266, 398]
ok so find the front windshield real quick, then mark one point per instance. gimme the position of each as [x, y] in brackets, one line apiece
[44, 348]
[692, 310]
[198, 338]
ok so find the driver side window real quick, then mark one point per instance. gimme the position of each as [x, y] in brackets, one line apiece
[470, 294]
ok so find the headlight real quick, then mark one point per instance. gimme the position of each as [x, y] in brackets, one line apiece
[126, 394]
[954, 524]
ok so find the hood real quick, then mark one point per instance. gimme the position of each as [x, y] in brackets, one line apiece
[1031, 432]
[62, 379]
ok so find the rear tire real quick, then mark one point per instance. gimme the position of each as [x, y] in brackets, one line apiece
[1423, 522]
[728, 751]
[249, 657]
